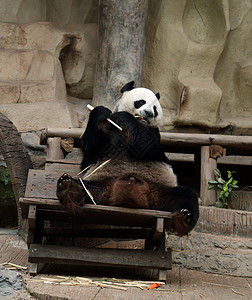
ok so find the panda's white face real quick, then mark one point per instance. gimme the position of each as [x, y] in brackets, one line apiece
[141, 102]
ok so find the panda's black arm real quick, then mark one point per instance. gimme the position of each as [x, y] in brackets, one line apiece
[156, 153]
[95, 137]
[143, 142]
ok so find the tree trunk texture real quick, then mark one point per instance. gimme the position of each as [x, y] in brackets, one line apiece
[121, 48]
[17, 159]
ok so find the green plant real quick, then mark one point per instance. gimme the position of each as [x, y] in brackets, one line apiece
[225, 187]
[4, 175]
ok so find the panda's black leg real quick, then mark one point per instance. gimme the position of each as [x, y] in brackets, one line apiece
[184, 203]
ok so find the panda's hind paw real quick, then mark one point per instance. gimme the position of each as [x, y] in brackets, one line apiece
[186, 213]
[64, 177]
[64, 184]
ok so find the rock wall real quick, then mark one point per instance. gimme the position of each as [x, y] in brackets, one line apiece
[36, 65]
[230, 255]
[198, 56]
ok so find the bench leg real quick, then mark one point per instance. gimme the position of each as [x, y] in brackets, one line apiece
[158, 231]
[35, 268]
[31, 224]
[162, 275]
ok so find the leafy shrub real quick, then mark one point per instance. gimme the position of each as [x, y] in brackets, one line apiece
[225, 187]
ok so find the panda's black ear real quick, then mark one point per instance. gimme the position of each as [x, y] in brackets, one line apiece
[128, 87]
[158, 96]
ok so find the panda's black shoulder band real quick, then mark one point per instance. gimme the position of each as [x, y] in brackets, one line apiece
[128, 87]
[158, 96]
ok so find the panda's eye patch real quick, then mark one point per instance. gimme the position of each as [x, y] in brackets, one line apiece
[155, 111]
[139, 103]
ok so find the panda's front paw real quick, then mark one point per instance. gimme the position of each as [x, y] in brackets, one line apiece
[186, 213]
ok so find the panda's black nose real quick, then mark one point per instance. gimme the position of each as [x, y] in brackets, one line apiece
[148, 114]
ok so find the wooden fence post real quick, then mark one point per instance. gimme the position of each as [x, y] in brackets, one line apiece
[207, 166]
[54, 150]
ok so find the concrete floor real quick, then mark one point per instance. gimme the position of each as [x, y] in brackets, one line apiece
[182, 284]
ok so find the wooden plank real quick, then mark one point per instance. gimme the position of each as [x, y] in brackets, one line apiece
[108, 217]
[108, 210]
[92, 217]
[14, 250]
[235, 160]
[226, 160]
[100, 213]
[73, 167]
[180, 157]
[41, 202]
[100, 257]
[53, 204]
[43, 183]
[208, 164]
[123, 233]
[64, 161]
[174, 142]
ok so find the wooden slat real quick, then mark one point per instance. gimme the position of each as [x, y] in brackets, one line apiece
[98, 256]
[53, 204]
[73, 167]
[41, 202]
[101, 213]
[43, 183]
[64, 161]
[122, 233]
[226, 160]
[104, 218]
[103, 209]
[235, 160]
[174, 142]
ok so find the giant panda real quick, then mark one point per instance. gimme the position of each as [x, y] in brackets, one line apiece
[127, 167]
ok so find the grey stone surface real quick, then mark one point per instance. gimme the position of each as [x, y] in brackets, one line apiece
[182, 283]
[213, 253]
[10, 282]
[32, 140]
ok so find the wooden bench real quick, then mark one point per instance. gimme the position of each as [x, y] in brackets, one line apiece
[56, 237]
[45, 213]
